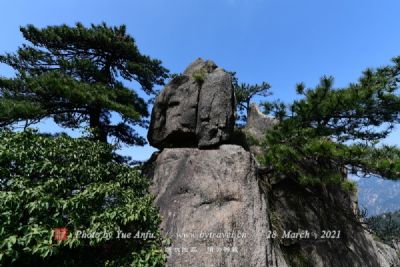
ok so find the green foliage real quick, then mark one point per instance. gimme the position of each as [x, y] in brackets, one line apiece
[244, 94]
[48, 182]
[75, 75]
[350, 186]
[311, 142]
[385, 226]
[277, 225]
[310, 160]
[199, 76]
[366, 110]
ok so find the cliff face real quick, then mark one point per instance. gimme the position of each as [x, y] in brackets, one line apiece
[220, 210]
[211, 201]
[341, 240]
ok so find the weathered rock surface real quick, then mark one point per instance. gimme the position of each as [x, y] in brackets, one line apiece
[196, 109]
[258, 123]
[221, 210]
[316, 210]
[206, 194]
[387, 256]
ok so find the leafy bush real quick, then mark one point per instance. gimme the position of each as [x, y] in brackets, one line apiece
[49, 182]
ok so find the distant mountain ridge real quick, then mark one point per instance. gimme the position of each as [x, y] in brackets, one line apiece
[378, 195]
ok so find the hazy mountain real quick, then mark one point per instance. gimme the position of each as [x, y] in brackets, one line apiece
[378, 195]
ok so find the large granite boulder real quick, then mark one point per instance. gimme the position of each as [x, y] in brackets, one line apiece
[213, 208]
[196, 109]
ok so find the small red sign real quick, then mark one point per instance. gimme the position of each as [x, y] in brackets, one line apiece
[60, 233]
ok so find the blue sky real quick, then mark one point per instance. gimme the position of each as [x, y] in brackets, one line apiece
[279, 41]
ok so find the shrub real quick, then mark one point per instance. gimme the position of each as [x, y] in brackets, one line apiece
[48, 182]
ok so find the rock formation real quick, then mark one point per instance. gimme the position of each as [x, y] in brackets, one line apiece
[217, 206]
[211, 201]
[258, 123]
[196, 109]
[324, 210]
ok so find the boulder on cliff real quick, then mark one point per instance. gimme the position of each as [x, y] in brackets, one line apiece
[220, 208]
[196, 109]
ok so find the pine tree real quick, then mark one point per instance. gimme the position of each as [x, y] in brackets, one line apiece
[333, 131]
[244, 94]
[77, 76]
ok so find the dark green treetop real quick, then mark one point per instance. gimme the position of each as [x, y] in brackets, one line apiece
[334, 131]
[76, 75]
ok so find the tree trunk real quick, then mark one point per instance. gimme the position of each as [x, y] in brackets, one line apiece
[100, 132]
[95, 125]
